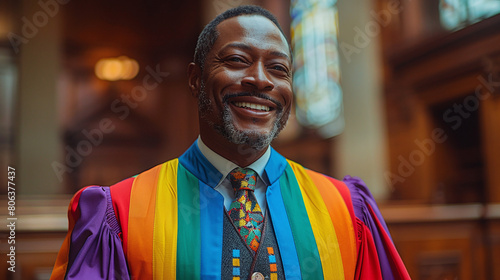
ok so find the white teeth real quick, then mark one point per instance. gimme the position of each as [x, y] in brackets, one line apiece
[252, 106]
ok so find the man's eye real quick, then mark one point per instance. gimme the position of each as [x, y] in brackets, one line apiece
[279, 68]
[236, 59]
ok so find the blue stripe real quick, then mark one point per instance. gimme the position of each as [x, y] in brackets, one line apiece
[211, 220]
[283, 232]
[275, 166]
[194, 161]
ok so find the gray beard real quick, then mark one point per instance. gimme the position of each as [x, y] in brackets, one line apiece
[257, 141]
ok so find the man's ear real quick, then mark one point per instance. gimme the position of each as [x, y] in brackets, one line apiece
[194, 78]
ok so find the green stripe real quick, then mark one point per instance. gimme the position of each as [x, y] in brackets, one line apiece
[188, 238]
[303, 236]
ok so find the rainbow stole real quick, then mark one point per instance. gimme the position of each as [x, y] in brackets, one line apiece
[169, 204]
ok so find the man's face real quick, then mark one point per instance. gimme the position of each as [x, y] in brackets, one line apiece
[246, 84]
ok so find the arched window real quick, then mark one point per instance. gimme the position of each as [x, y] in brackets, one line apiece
[317, 90]
[456, 14]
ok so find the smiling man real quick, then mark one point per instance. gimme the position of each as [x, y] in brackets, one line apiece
[231, 207]
[244, 87]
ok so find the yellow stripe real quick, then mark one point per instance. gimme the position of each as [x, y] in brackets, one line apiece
[323, 230]
[165, 225]
[341, 220]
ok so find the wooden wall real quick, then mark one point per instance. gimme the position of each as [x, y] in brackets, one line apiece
[442, 94]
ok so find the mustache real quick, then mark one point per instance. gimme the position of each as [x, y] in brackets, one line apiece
[279, 105]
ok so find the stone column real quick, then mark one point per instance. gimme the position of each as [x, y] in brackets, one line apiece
[38, 139]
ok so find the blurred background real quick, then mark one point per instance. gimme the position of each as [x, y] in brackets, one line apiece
[404, 94]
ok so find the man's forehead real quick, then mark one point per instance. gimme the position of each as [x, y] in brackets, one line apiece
[256, 27]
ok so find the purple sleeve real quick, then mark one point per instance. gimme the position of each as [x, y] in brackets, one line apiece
[96, 250]
[361, 200]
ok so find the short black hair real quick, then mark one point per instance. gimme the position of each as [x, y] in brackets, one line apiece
[209, 35]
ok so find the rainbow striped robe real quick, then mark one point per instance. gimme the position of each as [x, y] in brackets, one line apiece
[149, 226]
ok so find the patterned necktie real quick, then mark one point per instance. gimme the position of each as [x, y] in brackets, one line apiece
[244, 210]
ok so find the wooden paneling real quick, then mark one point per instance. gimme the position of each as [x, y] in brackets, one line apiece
[494, 252]
[490, 124]
[448, 83]
[451, 250]
[460, 241]
[445, 82]
[36, 253]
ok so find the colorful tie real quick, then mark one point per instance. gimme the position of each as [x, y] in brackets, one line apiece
[244, 210]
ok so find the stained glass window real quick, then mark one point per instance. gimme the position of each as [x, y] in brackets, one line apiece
[456, 14]
[317, 89]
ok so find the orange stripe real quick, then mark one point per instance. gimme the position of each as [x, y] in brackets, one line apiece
[61, 264]
[346, 195]
[341, 220]
[141, 223]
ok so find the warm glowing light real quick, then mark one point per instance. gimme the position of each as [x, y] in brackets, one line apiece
[5, 26]
[114, 69]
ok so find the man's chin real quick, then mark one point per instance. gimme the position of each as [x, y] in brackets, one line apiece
[259, 141]
[254, 139]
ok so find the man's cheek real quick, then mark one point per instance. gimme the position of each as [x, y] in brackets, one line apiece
[284, 118]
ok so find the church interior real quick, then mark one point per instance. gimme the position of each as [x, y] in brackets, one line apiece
[403, 94]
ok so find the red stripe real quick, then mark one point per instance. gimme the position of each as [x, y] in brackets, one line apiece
[120, 196]
[398, 268]
[368, 263]
[74, 210]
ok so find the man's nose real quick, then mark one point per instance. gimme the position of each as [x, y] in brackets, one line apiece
[257, 78]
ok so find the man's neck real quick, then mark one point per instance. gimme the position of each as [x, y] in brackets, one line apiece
[225, 166]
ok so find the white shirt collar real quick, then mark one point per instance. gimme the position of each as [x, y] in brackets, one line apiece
[225, 166]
